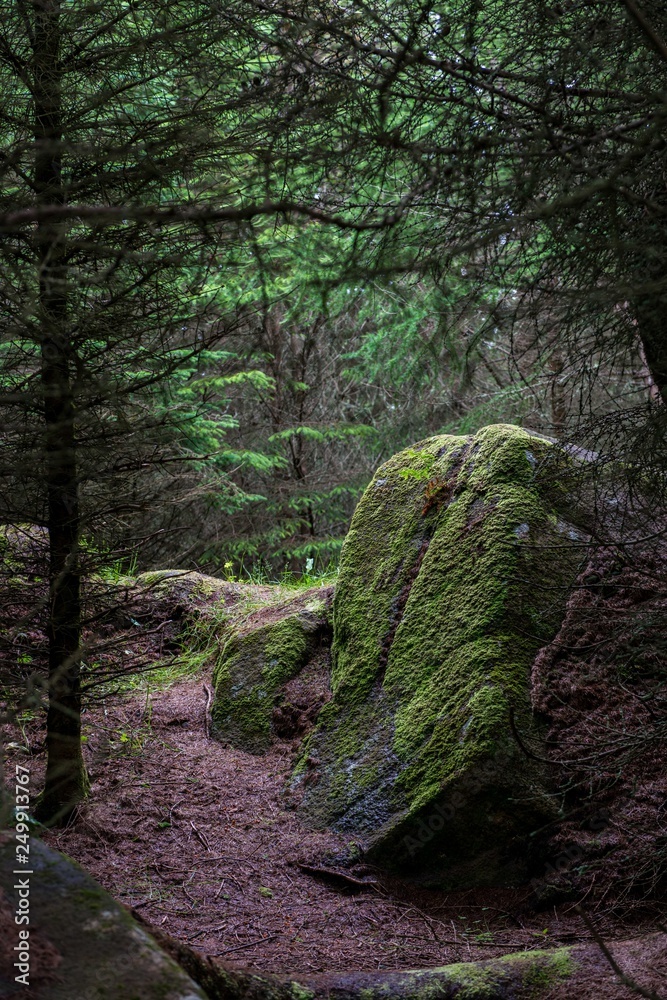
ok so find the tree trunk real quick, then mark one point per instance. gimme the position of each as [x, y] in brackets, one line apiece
[66, 781]
[648, 304]
[558, 401]
[653, 336]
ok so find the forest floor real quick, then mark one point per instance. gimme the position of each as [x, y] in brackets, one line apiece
[198, 838]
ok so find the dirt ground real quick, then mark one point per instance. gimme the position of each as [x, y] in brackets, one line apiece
[198, 838]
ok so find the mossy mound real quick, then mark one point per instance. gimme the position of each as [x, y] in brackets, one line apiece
[454, 573]
[79, 943]
[262, 653]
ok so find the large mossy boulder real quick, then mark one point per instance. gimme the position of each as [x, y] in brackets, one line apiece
[263, 651]
[454, 573]
[79, 943]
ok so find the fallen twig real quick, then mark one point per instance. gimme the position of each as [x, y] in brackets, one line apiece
[201, 837]
[176, 803]
[206, 930]
[143, 902]
[333, 873]
[207, 711]
[240, 947]
[191, 898]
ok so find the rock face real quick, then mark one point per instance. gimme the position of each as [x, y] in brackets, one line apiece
[454, 573]
[269, 680]
[82, 945]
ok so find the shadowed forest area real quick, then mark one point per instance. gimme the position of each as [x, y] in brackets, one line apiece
[333, 556]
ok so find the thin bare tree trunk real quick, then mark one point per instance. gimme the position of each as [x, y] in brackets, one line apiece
[558, 401]
[657, 390]
[66, 781]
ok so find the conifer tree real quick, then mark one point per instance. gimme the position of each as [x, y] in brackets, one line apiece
[134, 151]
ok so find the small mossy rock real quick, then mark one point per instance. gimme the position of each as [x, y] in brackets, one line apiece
[82, 945]
[262, 653]
[189, 590]
[454, 573]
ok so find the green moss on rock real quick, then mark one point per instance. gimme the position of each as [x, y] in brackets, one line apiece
[453, 574]
[83, 945]
[526, 975]
[262, 652]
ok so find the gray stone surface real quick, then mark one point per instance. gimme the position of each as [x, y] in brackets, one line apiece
[83, 945]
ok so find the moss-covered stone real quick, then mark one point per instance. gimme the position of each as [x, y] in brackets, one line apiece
[192, 589]
[527, 975]
[453, 574]
[80, 943]
[263, 651]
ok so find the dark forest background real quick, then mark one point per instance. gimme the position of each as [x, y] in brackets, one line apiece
[249, 251]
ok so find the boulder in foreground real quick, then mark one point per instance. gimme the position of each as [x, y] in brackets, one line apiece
[82, 944]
